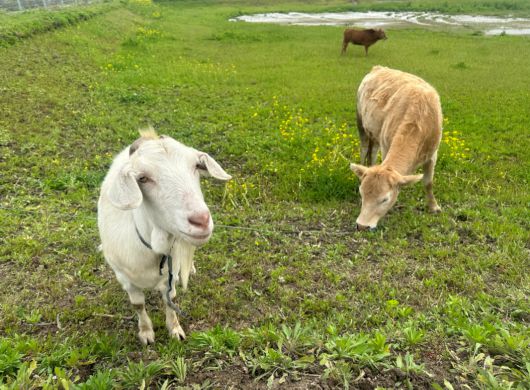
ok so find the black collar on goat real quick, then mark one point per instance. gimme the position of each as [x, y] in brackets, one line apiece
[163, 260]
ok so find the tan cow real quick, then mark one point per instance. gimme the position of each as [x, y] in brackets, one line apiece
[400, 114]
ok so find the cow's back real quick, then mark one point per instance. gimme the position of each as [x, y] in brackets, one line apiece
[360, 37]
[388, 99]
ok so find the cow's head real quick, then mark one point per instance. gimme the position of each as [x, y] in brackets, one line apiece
[379, 191]
[380, 33]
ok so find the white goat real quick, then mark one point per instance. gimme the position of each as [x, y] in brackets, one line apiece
[151, 207]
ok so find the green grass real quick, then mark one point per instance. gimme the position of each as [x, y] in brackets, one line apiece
[17, 26]
[425, 302]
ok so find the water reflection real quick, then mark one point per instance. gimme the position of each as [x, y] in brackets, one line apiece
[490, 25]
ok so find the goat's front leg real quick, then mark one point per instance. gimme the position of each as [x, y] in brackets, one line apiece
[172, 321]
[173, 325]
[145, 326]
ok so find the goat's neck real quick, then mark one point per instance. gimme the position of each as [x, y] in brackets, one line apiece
[142, 222]
[159, 239]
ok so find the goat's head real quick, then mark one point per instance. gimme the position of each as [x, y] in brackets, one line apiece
[379, 191]
[161, 180]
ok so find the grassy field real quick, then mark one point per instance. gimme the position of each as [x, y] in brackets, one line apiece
[287, 294]
[14, 27]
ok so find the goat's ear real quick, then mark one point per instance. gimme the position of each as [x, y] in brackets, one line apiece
[209, 167]
[359, 170]
[124, 192]
[409, 179]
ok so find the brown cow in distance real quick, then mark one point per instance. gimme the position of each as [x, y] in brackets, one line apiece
[364, 38]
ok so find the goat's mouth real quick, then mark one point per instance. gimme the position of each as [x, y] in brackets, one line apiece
[197, 237]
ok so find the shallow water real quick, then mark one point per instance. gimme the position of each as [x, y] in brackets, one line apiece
[490, 25]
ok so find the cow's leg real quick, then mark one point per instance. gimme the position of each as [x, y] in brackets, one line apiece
[344, 46]
[366, 51]
[145, 326]
[374, 151]
[365, 150]
[428, 177]
[365, 140]
[172, 321]
[384, 152]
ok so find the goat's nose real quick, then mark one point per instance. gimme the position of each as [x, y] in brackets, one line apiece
[200, 220]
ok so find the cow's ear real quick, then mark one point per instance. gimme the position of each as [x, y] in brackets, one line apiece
[409, 179]
[359, 170]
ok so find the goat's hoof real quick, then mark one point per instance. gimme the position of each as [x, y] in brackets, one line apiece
[147, 336]
[177, 332]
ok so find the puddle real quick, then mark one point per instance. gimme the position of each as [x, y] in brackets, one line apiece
[489, 25]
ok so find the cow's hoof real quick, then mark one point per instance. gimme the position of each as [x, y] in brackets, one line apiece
[177, 332]
[435, 210]
[147, 336]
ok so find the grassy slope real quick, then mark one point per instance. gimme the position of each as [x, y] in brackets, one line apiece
[17, 26]
[441, 289]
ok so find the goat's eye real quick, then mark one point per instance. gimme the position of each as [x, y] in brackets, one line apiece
[143, 179]
[384, 200]
[200, 166]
